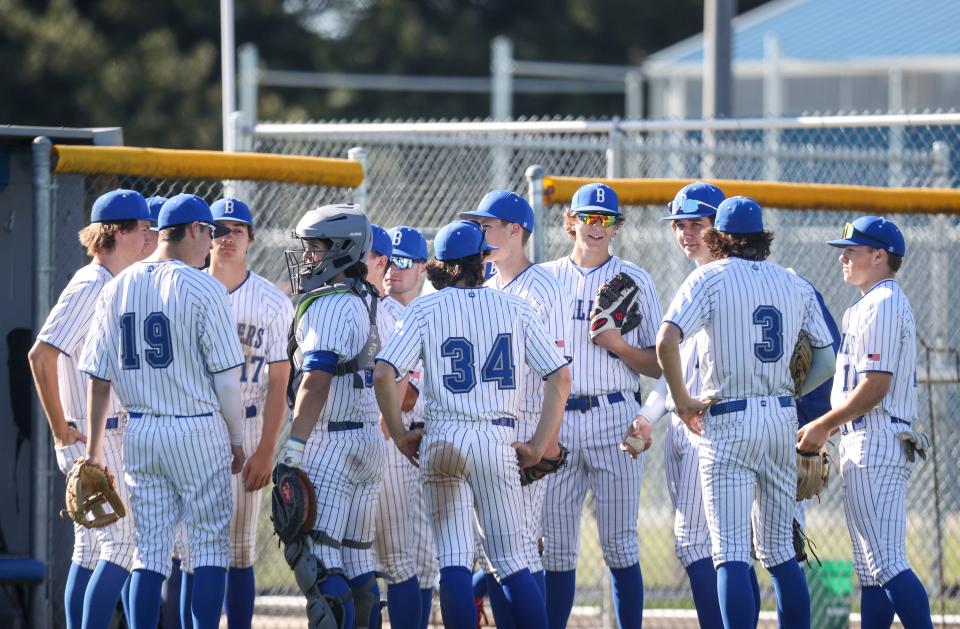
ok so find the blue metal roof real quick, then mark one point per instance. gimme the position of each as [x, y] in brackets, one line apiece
[834, 30]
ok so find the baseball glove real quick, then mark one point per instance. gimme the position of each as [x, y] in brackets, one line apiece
[544, 467]
[800, 362]
[914, 443]
[294, 503]
[89, 491]
[613, 303]
[813, 472]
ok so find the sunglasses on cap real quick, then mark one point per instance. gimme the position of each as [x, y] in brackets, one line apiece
[603, 220]
[689, 206]
[402, 263]
[849, 231]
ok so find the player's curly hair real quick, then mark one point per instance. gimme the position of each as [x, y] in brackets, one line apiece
[444, 273]
[102, 237]
[754, 246]
[358, 271]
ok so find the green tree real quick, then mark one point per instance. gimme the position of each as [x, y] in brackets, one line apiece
[154, 67]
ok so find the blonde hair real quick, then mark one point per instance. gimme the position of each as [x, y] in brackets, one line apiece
[102, 237]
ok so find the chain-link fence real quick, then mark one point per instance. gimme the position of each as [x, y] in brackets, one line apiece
[423, 174]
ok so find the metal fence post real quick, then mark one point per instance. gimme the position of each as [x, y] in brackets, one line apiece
[534, 176]
[615, 166]
[42, 301]
[772, 103]
[248, 58]
[501, 65]
[633, 95]
[359, 154]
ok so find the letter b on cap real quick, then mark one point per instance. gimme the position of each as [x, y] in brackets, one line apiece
[600, 195]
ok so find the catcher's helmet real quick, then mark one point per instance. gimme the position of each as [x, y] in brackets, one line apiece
[345, 227]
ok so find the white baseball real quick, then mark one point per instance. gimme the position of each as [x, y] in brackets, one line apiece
[636, 444]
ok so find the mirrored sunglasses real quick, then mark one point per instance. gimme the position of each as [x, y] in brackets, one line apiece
[603, 220]
[401, 263]
[689, 206]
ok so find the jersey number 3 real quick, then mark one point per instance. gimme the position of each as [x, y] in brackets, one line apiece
[770, 349]
[498, 367]
[156, 334]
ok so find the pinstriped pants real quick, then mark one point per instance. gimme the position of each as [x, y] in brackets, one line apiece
[86, 549]
[595, 463]
[179, 466]
[748, 468]
[875, 471]
[404, 542]
[470, 472]
[345, 468]
[681, 456]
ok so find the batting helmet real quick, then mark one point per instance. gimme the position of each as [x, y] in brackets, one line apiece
[346, 229]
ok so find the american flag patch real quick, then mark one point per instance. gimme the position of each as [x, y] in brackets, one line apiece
[873, 357]
[560, 343]
[415, 374]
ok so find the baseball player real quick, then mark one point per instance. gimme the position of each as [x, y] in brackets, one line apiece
[335, 435]
[874, 403]
[165, 340]
[114, 239]
[404, 543]
[471, 340]
[263, 315]
[153, 204]
[606, 374]
[691, 215]
[507, 221]
[747, 458]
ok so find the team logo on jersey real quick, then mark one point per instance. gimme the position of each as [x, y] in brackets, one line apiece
[579, 314]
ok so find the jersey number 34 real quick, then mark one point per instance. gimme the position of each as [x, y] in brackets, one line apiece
[498, 366]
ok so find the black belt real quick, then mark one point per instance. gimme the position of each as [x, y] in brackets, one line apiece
[509, 422]
[584, 403]
[860, 422]
[112, 422]
[201, 415]
[338, 426]
[251, 411]
[734, 406]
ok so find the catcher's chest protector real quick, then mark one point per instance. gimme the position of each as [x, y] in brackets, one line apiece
[357, 364]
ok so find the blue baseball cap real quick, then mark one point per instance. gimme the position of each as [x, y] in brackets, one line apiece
[409, 243]
[460, 239]
[120, 205]
[873, 231]
[154, 204]
[228, 209]
[695, 200]
[382, 242]
[739, 215]
[596, 198]
[187, 208]
[506, 206]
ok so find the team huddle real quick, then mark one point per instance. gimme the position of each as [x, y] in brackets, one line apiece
[448, 440]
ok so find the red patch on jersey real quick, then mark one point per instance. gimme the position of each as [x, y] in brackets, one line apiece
[873, 357]
[560, 343]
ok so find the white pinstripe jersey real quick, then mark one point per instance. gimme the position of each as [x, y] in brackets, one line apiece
[66, 328]
[539, 288]
[339, 323]
[470, 341]
[595, 370]
[879, 334]
[393, 310]
[263, 315]
[752, 312]
[161, 330]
